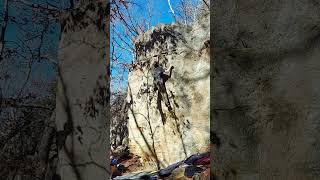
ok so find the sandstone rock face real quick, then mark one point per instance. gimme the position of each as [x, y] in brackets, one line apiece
[266, 95]
[155, 134]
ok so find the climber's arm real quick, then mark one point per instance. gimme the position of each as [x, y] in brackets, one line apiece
[168, 75]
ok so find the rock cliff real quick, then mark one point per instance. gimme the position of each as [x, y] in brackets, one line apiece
[157, 135]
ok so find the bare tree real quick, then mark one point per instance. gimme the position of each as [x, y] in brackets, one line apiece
[124, 27]
[187, 11]
[26, 107]
[28, 134]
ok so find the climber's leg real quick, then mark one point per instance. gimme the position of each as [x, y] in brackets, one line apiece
[163, 117]
[165, 97]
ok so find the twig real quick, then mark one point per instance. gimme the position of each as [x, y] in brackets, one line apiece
[171, 9]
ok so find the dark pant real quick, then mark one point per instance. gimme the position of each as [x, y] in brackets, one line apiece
[163, 92]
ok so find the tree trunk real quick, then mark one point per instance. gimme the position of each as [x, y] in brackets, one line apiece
[83, 95]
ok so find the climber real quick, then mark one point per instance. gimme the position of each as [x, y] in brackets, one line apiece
[159, 81]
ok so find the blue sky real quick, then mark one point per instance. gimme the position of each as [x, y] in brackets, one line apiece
[159, 9]
[15, 37]
[161, 14]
